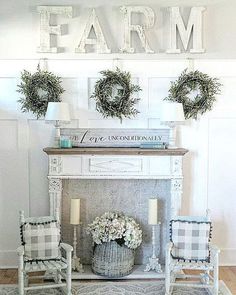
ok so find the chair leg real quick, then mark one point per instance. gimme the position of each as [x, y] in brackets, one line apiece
[216, 274]
[167, 284]
[21, 276]
[216, 280]
[26, 280]
[167, 273]
[68, 275]
[167, 281]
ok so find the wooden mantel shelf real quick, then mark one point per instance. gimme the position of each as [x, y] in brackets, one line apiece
[115, 151]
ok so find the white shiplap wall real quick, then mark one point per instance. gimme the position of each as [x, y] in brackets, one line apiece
[208, 167]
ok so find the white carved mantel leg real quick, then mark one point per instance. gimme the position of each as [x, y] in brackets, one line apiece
[176, 186]
[176, 197]
[55, 194]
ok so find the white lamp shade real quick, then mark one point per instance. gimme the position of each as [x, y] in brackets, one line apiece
[57, 111]
[75, 211]
[172, 112]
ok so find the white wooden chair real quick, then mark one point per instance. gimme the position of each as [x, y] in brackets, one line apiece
[175, 276]
[56, 269]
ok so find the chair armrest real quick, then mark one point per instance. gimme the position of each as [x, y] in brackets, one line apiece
[214, 249]
[68, 248]
[169, 246]
[20, 251]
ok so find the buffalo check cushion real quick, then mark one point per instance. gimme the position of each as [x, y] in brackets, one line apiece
[41, 240]
[191, 240]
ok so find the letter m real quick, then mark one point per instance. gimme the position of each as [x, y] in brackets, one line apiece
[194, 26]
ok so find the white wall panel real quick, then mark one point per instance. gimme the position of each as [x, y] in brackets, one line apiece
[8, 97]
[222, 183]
[40, 135]
[158, 89]
[9, 135]
[14, 195]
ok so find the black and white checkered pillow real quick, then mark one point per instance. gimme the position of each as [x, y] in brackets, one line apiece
[41, 240]
[190, 239]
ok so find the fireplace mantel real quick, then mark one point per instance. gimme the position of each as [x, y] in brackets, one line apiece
[115, 163]
[116, 151]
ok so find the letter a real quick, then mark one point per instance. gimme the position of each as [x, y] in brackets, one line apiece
[99, 42]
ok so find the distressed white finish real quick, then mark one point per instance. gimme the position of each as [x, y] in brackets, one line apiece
[194, 28]
[20, 28]
[139, 29]
[118, 167]
[176, 196]
[99, 43]
[55, 193]
[115, 167]
[46, 30]
[54, 269]
[173, 268]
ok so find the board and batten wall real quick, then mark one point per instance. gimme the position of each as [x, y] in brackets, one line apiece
[209, 167]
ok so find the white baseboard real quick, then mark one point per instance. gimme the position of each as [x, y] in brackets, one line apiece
[228, 257]
[8, 259]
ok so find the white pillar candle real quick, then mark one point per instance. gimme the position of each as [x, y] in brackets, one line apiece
[75, 211]
[153, 211]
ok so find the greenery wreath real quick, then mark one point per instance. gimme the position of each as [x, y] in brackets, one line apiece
[113, 94]
[38, 89]
[188, 82]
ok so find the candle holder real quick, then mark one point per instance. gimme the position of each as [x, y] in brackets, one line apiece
[153, 263]
[75, 263]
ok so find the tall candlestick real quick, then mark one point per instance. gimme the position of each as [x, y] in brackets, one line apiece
[153, 263]
[75, 220]
[153, 211]
[75, 211]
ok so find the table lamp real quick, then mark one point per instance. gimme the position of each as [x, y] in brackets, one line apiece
[57, 112]
[172, 114]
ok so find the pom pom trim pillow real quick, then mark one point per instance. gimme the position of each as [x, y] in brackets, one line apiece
[191, 240]
[41, 240]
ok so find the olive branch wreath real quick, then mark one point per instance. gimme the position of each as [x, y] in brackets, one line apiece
[122, 103]
[188, 82]
[38, 89]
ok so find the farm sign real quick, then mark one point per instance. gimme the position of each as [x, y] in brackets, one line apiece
[185, 31]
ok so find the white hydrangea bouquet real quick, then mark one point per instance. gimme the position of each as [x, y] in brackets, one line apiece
[115, 226]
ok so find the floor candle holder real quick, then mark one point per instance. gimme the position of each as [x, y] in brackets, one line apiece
[153, 263]
[75, 263]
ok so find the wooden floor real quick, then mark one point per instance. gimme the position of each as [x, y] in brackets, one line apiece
[227, 274]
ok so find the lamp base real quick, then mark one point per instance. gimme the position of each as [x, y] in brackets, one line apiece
[57, 135]
[77, 265]
[153, 265]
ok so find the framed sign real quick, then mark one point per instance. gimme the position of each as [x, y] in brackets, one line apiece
[115, 137]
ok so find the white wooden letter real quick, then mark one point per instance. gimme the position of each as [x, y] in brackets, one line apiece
[46, 29]
[99, 42]
[139, 29]
[194, 25]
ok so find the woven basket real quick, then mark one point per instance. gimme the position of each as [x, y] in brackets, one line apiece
[112, 260]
